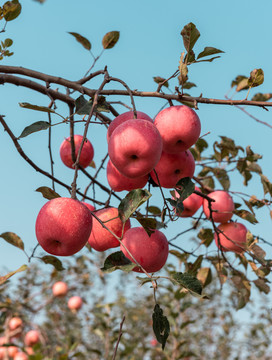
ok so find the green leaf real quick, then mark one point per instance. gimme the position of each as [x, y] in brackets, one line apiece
[4, 278]
[161, 325]
[246, 215]
[190, 35]
[48, 193]
[8, 42]
[189, 282]
[82, 40]
[149, 224]
[185, 187]
[13, 239]
[131, 202]
[11, 10]
[262, 97]
[262, 286]
[159, 80]
[188, 85]
[209, 51]
[83, 107]
[256, 78]
[110, 39]
[52, 260]
[117, 261]
[222, 177]
[154, 210]
[35, 127]
[36, 107]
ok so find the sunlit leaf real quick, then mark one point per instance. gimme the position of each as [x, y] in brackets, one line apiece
[256, 78]
[110, 39]
[209, 51]
[36, 107]
[159, 80]
[82, 40]
[11, 10]
[131, 202]
[262, 97]
[13, 239]
[4, 278]
[48, 193]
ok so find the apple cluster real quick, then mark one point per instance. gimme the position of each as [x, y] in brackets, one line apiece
[138, 148]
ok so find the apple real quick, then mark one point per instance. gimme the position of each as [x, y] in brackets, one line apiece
[101, 239]
[120, 182]
[150, 252]
[223, 206]
[75, 303]
[60, 288]
[191, 204]
[29, 350]
[120, 119]
[89, 206]
[21, 356]
[32, 337]
[12, 351]
[3, 352]
[15, 323]
[86, 155]
[179, 127]
[233, 238]
[63, 226]
[135, 147]
[173, 167]
[153, 342]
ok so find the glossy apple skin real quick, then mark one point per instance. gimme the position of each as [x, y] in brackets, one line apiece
[223, 205]
[173, 167]
[120, 119]
[32, 337]
[75, 303]
[63, 226]
[119, 182]
[150, 252]
[232, 231]
[135, 147]
[60, 288]
[89, 206]
[191, 204]
[86, 155]
[21, 356]
[15, 323]
[101, 239]
[179, 127]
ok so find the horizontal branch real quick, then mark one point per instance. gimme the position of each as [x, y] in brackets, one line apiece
[75, 85]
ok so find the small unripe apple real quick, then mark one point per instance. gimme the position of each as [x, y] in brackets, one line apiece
[20, 356]
[75, 303]
[135, 147]
[32, 337]
[223, 206]
[150, 252]
[63, 226]
[86, 155]
[15, 323]
[120, 119]
[191, 204]
[120, 182]
[101, 239]
[233, 238]
[179, 127]
[173, 167]
[60, 288]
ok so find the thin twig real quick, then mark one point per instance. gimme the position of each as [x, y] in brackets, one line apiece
[119, 337]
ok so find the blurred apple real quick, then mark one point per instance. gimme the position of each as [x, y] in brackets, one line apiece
[12, 351]
[15, 323]
[86, 155]
[60, 288]
[63, 226]
[32, 337]
[20, 356]
[75, 303]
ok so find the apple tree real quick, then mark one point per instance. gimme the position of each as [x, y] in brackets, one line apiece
[155, 174]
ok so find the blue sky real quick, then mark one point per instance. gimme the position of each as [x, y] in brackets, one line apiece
[150, 45]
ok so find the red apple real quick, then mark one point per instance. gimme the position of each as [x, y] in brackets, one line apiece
[135, 147]
[32, 337]
[20, 356]
[15, 323]
[86, 155]
[60, 288]
[101, 239]
[191, 204]
[120, 182]
[89, 206]
[29, 350]
[233, 238]
[12, 351]
[223, 206]
[150, 252]
[153, 342]
[75, 303]
[179, 127]
[173, 167]
[63, 226]
[120, 119]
